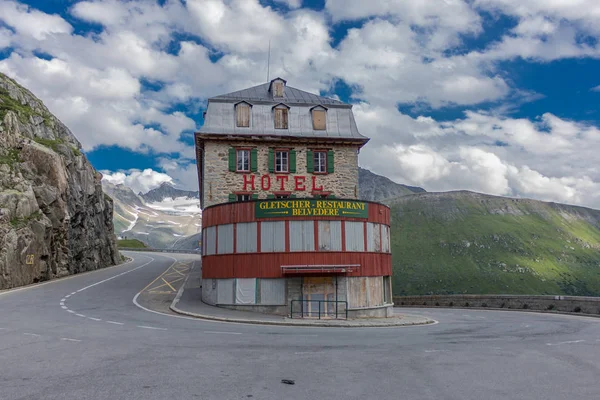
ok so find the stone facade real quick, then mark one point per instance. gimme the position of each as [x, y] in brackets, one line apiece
[219, 182]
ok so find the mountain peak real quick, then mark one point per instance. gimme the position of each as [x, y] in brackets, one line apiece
[167, 190]
[378, 188]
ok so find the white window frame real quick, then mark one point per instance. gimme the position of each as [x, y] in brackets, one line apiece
[317, 161]
[279, 163]
[243, 159]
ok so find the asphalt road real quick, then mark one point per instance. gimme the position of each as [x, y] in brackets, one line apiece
[99, 345]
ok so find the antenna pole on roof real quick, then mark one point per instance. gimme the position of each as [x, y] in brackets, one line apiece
[269, 61]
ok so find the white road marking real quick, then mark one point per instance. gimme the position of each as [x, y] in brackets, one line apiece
[3, 329]
[567, 342]
[53, 281]
[97, 283]
[222, 333]
[31, 334]
[434, 351]
[116, 276]
[70, 340]
[67, 296]
[115, 323]
[151, 327]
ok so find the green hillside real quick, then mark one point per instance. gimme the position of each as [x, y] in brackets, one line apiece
[131, 244]
[463, 242]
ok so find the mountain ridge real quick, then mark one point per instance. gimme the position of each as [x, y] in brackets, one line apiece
[161, 221]
[376, 187]
[167, 190]
[467, 242]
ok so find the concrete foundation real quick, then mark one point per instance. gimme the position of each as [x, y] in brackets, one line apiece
[365, 296]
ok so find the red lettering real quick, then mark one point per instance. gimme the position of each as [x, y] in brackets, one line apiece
[299, 180]
[283, 179]
[265, 182]
[248, 182]
[314, 185]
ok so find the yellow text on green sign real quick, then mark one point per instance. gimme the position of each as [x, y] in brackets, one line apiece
[311, 208]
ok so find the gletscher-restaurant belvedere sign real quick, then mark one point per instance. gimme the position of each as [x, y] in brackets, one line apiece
[311, 208]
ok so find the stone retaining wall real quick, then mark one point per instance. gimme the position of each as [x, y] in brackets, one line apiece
[571, 304]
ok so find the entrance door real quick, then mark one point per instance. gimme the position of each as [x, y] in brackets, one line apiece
[315, 291]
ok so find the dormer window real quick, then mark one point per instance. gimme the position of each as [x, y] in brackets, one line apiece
[242, 114]
[280, 112]
[319, 114]
[277, 88]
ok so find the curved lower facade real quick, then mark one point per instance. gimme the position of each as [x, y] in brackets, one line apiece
[298, 257]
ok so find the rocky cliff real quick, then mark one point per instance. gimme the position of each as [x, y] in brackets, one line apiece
[54, 218]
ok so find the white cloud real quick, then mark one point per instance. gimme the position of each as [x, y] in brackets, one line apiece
[391, 63]
[291, 3]
[452, 14]
[137, 180]
[548, 159]
[183, 171]
[103, 12]
[596, 89]
[31, 22]
[5, 38]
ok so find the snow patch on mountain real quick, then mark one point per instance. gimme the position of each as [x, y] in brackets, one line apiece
[178, 205]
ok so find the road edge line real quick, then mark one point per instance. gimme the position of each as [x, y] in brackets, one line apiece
[61, 279]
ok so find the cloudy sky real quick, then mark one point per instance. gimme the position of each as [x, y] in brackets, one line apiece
[496, 96]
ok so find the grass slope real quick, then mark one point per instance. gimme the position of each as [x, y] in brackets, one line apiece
[131, 244]
[462, 242]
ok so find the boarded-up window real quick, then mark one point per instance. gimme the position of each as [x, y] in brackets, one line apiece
[278, 89]
[272, 292]
[330, 236]
[225, 239]
[211, 242]
[245, 291]
[355, 236]
[373, 237]
[385, 238]
[281, 118]
[387, 290]
[225, 291]
[246, 236]
[319, 120]
[302, 236]
[243, 115]
[272, 236]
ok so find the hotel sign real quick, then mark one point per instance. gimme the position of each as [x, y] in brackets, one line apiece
[311, 208]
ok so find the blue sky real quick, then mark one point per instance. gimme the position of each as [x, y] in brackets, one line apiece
[496, 96]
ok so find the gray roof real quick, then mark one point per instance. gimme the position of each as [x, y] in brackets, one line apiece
[291, 95]
[220, 116]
